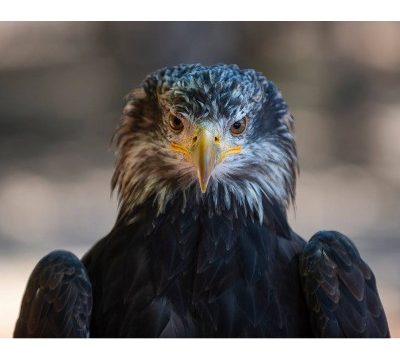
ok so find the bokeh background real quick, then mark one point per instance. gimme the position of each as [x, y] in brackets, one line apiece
[61, 93]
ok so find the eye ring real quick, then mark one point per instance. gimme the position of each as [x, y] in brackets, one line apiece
[176, 124]
[238, 127]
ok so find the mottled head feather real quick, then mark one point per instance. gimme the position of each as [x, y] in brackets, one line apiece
[263, 173]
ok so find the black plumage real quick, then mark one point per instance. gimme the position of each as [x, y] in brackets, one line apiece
[196, 276]
[340, 289]
[220, 262]
[58, 299]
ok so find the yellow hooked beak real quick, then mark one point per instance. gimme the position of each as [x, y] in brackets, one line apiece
[205, 153]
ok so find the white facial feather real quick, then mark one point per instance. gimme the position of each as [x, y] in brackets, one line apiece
[263, 172]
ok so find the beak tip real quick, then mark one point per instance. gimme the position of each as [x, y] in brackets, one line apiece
[203, 187]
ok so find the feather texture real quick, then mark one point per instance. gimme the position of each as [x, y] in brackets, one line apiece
[340, 289]
[58, 299]
[196, 275]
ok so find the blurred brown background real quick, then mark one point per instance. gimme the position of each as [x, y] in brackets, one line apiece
[61, 92]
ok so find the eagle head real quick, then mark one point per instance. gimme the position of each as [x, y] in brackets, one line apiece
[216, 135]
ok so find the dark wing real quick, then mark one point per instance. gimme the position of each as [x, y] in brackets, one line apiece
[57, 300]
[340, 289]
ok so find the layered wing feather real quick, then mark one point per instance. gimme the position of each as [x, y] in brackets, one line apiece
[340, 289]
[57, 300]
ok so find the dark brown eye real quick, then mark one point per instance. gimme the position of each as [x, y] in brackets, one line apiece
[238, 127]
[176, 123]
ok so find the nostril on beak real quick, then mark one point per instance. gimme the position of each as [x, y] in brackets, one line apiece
[217, 139]
[194, 139]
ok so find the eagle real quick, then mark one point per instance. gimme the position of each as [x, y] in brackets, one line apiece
[206, 168]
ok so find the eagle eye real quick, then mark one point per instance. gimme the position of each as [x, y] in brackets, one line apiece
[176, 124]
[238, 127]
